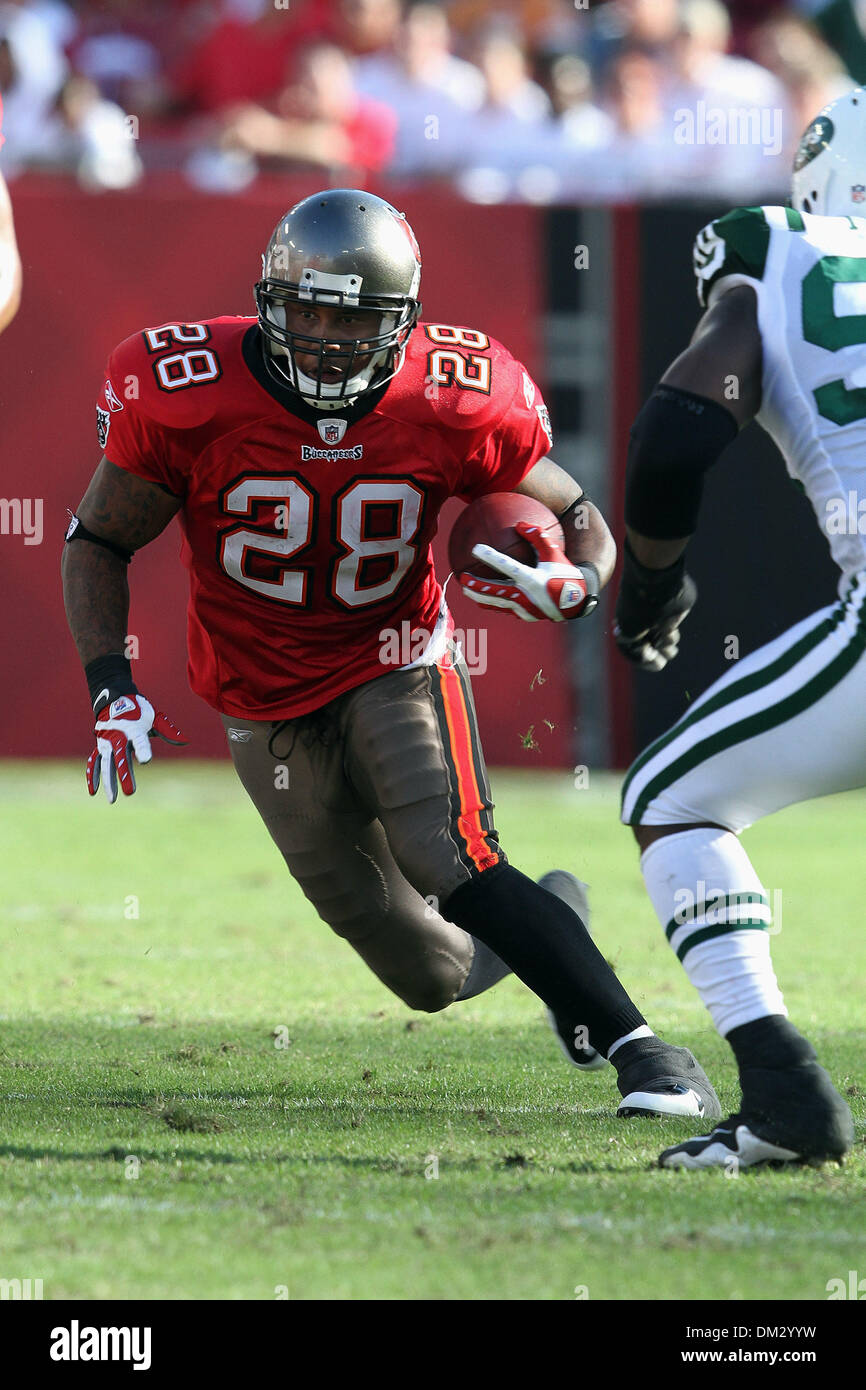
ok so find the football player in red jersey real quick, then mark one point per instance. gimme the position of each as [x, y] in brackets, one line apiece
[10, 261]
[308, 452]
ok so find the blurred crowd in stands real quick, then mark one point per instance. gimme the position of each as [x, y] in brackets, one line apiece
[530, 100]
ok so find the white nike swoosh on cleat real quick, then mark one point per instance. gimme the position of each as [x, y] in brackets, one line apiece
[687, 1103]
[750, 1151]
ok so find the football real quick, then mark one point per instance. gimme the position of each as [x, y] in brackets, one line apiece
[491, 520]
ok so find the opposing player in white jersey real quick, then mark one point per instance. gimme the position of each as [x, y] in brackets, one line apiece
[784, 289]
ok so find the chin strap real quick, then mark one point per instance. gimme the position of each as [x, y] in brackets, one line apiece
[317, 402]
[326, 402]
[322, 402]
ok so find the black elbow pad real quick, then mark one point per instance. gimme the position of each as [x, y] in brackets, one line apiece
[676, 437]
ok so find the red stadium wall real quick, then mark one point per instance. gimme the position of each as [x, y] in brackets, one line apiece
[100, 267]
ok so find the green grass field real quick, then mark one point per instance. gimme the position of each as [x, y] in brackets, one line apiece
[205, 1095]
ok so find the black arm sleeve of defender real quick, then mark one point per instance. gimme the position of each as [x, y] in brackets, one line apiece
[676, 437]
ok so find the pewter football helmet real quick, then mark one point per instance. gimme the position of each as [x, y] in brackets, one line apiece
[345, 248]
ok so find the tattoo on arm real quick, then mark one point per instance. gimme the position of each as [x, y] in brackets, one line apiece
[129, 511]
[96, 597]
[125, 509]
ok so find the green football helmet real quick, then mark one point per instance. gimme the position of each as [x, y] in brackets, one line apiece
[347, 249]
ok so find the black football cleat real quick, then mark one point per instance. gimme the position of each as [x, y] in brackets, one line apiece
[660, 1079]
[788, 1115]
[576, 894]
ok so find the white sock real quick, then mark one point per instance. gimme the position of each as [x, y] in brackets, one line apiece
[644, 1031]
[702, 884]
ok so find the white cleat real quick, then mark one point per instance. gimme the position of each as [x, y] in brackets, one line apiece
[798, 1106]
[664, 1080]
[679, 1101]
[726, 1148]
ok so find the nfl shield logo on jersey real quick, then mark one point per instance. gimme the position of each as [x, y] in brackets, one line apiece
[332, 431]
[858, 193]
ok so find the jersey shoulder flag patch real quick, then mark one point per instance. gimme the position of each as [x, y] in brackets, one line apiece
[735, 244]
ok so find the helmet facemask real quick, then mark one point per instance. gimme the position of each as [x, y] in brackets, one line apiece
[364, 364]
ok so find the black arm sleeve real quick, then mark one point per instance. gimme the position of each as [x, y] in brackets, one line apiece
[676, 437]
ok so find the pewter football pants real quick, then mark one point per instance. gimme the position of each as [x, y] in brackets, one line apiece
[380, 806]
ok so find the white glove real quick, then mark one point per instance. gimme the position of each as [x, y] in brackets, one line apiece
[126, 726]
[554, 588]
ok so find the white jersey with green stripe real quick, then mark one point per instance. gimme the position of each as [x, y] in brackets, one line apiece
[809, 275]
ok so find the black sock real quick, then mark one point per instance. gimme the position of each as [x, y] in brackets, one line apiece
[769, 1043]
[547, 945]
[485, 971]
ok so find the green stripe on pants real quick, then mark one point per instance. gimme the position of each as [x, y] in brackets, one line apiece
[747, 685]
[759, 723]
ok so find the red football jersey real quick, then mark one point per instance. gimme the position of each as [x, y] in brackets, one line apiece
[307, 534]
